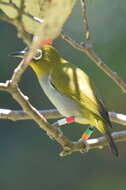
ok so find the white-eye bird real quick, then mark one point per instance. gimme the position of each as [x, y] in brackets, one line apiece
[70, 90]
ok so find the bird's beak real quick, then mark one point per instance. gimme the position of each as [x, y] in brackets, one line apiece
[20, 54]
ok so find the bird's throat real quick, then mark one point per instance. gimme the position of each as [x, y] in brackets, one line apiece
[40, 69]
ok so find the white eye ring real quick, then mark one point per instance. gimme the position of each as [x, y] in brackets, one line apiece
[38, 55]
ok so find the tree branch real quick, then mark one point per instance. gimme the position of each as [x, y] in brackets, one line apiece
[13, 5]
[85, 21]
[118, 118]
[96, 143]
[16, 115]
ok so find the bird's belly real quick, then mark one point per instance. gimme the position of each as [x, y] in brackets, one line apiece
[66, 106]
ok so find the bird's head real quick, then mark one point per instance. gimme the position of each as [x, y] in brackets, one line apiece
[44, 60]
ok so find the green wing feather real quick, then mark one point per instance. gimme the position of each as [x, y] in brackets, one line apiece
[72, 82]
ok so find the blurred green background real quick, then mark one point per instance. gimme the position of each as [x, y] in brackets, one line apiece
[29, 160]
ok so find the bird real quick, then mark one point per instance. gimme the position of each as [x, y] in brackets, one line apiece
[71, 90]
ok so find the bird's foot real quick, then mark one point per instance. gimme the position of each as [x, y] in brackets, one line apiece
[85, 136]
[85, 143]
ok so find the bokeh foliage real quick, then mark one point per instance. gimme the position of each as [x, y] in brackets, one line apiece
[29, 159]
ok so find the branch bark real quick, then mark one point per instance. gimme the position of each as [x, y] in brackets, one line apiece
[16, 115]
[96, 143]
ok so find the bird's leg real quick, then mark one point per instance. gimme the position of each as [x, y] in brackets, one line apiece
[88, 132]
[85, 136]
[64, 121]
[71, 119]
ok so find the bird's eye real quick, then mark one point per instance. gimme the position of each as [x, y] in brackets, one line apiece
[38, 55]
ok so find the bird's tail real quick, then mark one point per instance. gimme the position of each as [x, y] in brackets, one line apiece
[102, 127]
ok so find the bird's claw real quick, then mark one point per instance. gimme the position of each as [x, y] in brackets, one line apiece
[85, 143]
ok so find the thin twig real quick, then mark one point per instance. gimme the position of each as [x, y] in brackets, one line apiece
[85, 20]
[118, 118]
[13, 5]
[21, 9]
[3, 86]
[18, 71]
[16, 115]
